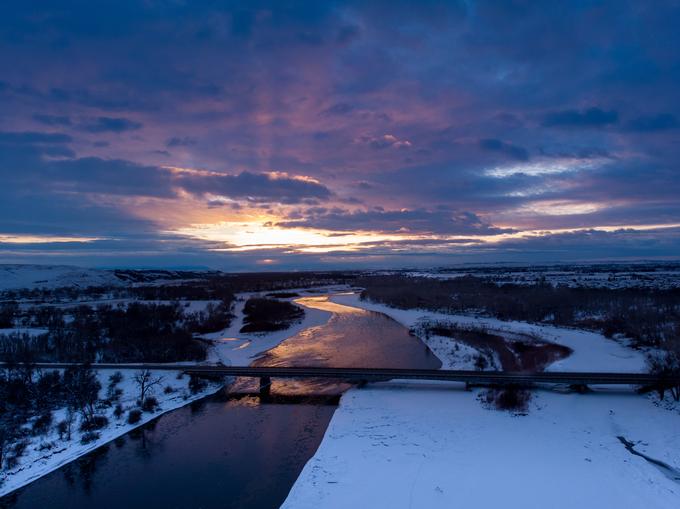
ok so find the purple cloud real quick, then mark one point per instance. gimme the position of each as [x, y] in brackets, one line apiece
[109, 124]
[591, 117]
[256, 186]
[492, 108]
[419, 221]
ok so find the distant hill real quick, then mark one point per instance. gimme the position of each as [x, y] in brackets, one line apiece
[14, 277]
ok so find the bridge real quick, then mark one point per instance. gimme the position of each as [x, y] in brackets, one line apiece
[576, 380]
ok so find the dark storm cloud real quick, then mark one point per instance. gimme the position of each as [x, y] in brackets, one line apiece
[258, 186]
[109, 124]
[52, 120]
[442, 221]
[338, 109]
[109, 176]
[652, 123]
[176, 141]
[23, 166]
[44, 212]
[601, 244]
[508, 149]
[114, 99]
[592, 117]
[31, 137]
[21, 161]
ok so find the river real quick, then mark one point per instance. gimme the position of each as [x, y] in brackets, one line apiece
[227, 450]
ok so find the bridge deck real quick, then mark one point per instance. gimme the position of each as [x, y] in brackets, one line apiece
[377, 374]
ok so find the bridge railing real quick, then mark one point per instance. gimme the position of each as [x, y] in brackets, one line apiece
[379, 373]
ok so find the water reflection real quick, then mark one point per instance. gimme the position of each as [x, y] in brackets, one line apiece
[228, 453]
[352, 337]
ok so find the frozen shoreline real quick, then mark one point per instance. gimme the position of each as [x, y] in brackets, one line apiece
[393, 445]
[35, 463]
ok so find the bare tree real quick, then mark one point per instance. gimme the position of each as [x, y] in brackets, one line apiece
[145, 381]
[64, 427]
[82, 391]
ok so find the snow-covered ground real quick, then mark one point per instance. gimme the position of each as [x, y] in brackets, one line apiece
[49, 452]
[31, 277]
[406, 444]
[14, 277]
[614, 276]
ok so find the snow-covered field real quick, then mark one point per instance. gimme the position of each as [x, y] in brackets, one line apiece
[49, 452]
[653, 276]
[399, 445]
[31, 277]
[13, 277]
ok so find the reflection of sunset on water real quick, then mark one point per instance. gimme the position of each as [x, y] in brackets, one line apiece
[325, 304]
[352, 337]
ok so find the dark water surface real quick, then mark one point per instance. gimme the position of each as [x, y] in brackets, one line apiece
[236, 453]
[227, 452]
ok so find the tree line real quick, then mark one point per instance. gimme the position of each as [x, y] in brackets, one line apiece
[133, 332]
[648, 317]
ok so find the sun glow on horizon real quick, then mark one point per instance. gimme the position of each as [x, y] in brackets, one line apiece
[42, 239]
[243, 236]
[255, 236]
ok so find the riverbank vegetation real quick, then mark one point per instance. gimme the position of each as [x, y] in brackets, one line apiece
[650, 318]
[47, 412]
[130, 332]
[267, 315]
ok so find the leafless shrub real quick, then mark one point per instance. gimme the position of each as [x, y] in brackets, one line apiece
[510, 399]
[150, 404]
[88, 437]
[42, 424]
[96, 422]
[480, 362]
[134, 416]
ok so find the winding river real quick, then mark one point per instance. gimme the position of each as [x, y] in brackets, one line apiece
[232, 450]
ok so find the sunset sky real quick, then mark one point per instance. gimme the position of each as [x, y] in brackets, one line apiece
[277, 135]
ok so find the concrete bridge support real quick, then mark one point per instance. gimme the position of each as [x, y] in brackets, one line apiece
[580, 388]
[265, 386]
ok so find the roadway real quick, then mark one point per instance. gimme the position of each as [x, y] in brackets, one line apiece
[380, 374]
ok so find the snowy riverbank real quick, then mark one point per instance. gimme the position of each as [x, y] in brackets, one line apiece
[435, 445]
[47, 453]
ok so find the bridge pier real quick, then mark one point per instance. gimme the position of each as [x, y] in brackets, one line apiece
[265, 386]
[660, 388]
[580, 388]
